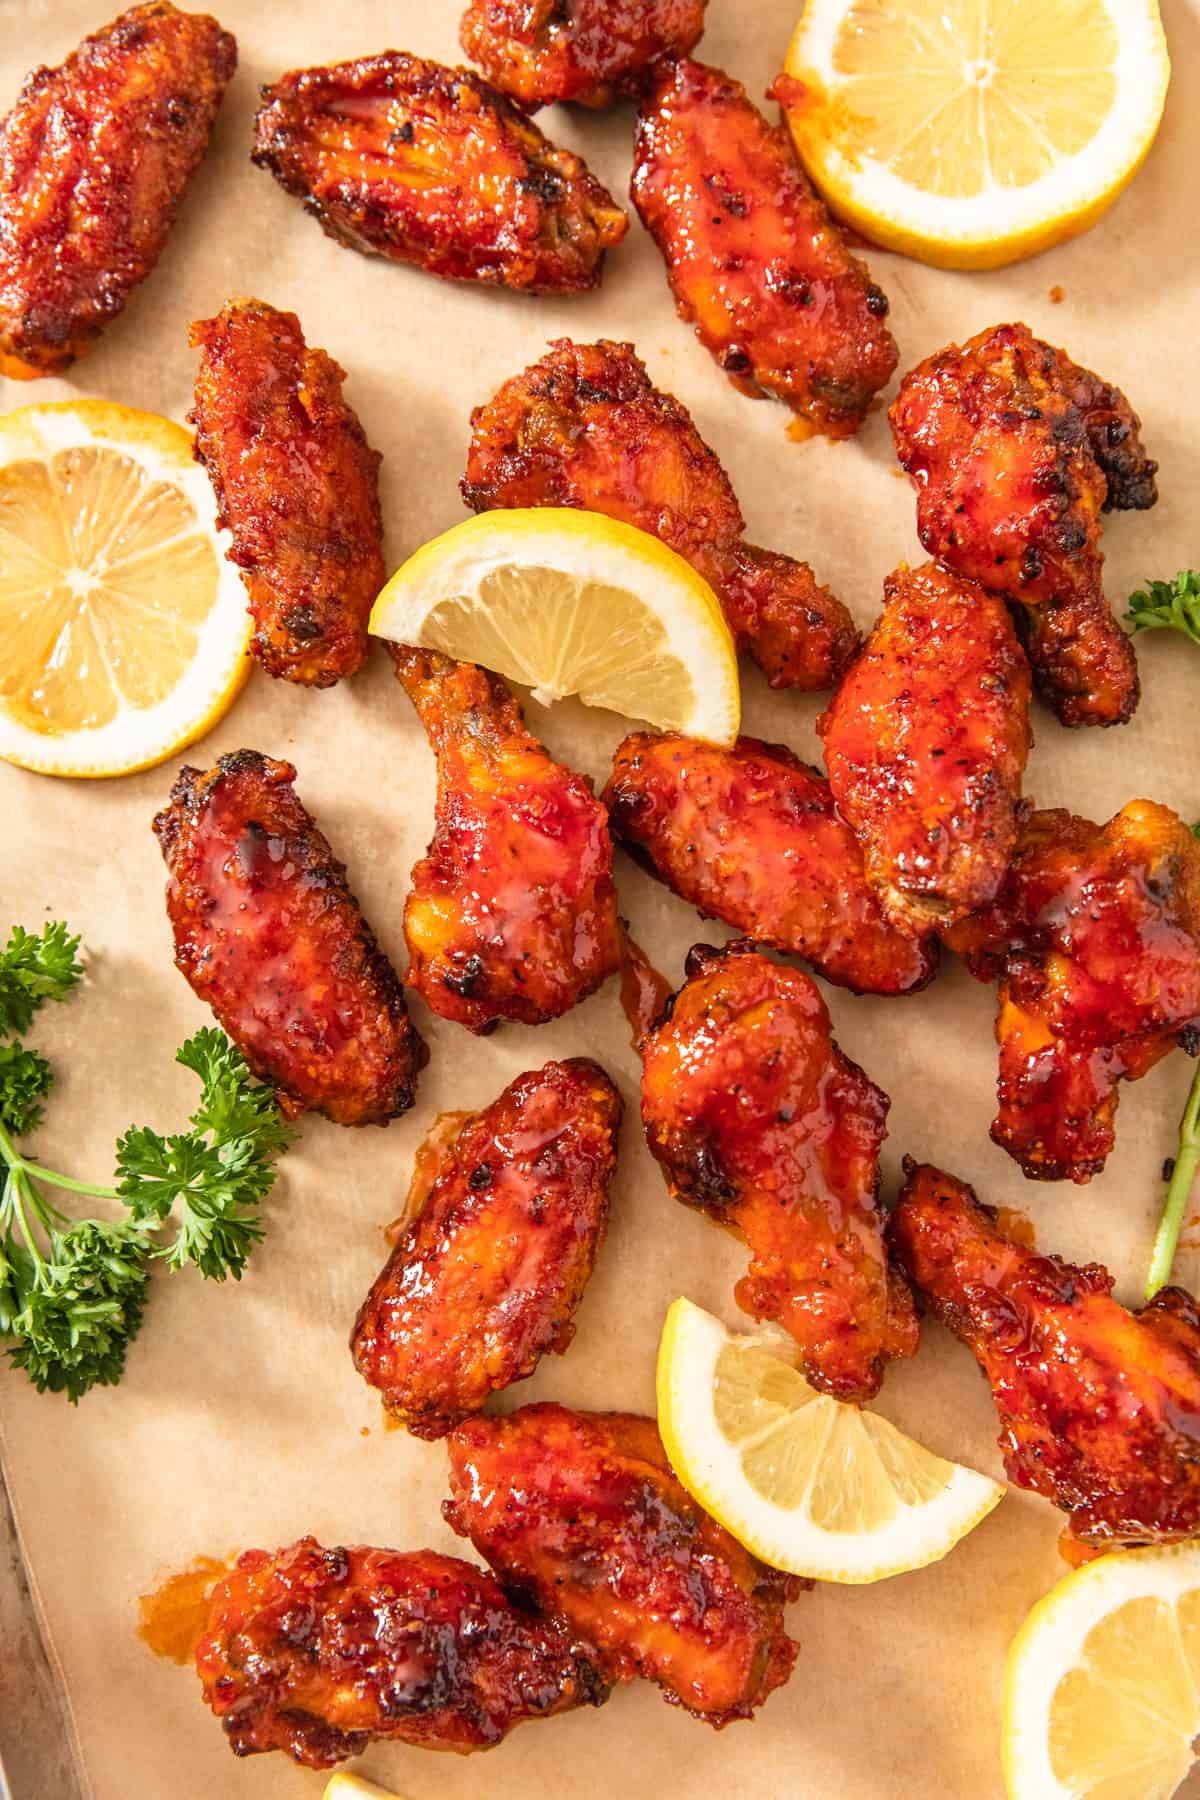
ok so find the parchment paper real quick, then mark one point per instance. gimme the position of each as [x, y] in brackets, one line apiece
[241, 1421]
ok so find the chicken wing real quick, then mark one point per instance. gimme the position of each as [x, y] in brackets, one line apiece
[298, 486]
[751, 836]
[1099, 1407]
[513, 911]
[580, 1513]
[487, 1276]
[759, 1120]
[1014, 452]
[586, 51]
[585, 426]
[399, 157]
[269, 935]
[317, 1652]
[926, 741]
[94, 160]
[753, 258]
[1095, 938]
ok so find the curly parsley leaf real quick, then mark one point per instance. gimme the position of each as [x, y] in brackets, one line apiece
[35, 968]
[82, 1309]
[25, 1080]
[218, 1173]
[1170, 605]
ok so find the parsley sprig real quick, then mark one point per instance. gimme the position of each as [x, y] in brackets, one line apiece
[73, 1290]
[1184, 1169]
[1170, 605]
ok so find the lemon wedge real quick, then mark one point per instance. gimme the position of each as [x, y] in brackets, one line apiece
[354, 1787]
[124, 633]
[1102, 1693]
[974, 133]
[572, 602]
[807, 1483]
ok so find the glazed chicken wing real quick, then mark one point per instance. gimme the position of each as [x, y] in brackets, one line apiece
[298, 486]
[581, 1514]
[759, 1120]
[399, 157]
[1100, 1408]
[486, 1278]
[926, 741]
[586, 51]
[94, 160]
[1014, 451]
[269, 935]
[317, 1652]
[513, 911]
[585, 426]
[751, 836]
[753, 258]
[1094, 937]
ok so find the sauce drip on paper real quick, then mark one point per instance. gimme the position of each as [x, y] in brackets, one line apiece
[171, 1620]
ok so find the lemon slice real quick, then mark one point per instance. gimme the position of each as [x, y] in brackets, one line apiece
[353, 1787]
[973, 133]
[123, 631]
[1102, 1693]
[807, 1483]
[572, 602]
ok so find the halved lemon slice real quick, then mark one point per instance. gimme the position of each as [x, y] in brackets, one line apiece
[355, 1787]
[807, 1483]
[123, 631]
[1102, 1693]
[969, 134]
[572, 602]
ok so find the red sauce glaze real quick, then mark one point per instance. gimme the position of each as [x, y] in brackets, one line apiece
[589, 52]
[487, 1277]
[926, 741]
[94, 160]
[316, 1652]
[1094, 936]
[751, 836]
[581, 1513]
[172, 1620]
[269, 935]
[513, 911]
[759, 1120]
[1014, 451]
[298, 486]
[1099, 1407]
[645, 994]
[585, 426]
[753, 258]
[400, 157]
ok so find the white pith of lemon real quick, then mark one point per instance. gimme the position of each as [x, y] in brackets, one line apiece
[1102, 1691]
[809, 1484]
[573, 602]
[123, 630]
[343, 1786]
[971, 133]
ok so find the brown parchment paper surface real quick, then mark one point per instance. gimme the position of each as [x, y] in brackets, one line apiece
[240, 1421]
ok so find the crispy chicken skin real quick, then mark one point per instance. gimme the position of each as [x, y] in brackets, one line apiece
[1094, 937]
[587, 51]
[513, 911]
[404, 158]
[926, 741]
[1015, 451]
[753, 258]
[581, 1514]
[317, 1652]
[298, 486]
[94, 160]
[487, 1276]
[759, 1121]
[585, 426]
[751, 836]
[1099, 1407]
[269, 935]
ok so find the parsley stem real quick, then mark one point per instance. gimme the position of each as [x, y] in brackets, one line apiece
[1178, 1190]
[22, 1191]
[65, 1181]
